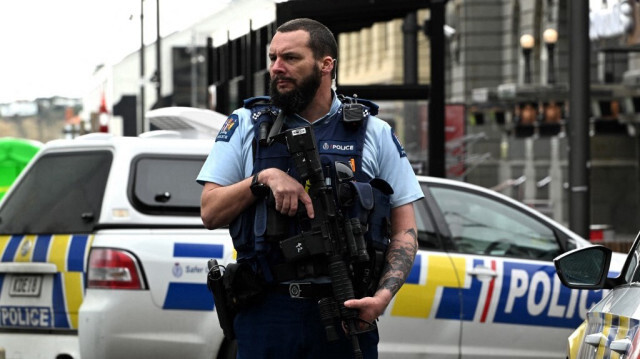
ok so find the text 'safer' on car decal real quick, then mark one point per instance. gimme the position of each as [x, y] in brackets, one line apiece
[521, 293]
[188, 289]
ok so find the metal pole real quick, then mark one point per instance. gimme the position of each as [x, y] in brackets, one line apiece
[552, 72]
[412, 129]
[527, 65]
[410, 38]
[194, 71]
[158, 57]
[436, 98]
[211, 76]
[141, 123]
[579, 156]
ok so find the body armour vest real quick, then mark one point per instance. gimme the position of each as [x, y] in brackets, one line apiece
[259, 231]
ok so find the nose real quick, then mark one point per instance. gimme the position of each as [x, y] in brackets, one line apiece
[277, 66]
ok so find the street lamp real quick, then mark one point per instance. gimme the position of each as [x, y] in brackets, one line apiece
[550, 37]
[527, 42]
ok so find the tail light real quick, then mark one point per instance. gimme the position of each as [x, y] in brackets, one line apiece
[113, 269]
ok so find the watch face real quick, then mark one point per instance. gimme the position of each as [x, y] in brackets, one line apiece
[259, 189]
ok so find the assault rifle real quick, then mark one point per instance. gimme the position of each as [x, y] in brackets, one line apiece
[329, 233]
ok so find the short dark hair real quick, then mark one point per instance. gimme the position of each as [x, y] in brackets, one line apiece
[321, 39]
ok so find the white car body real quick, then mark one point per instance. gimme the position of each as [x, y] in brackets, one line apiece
[173, 248]
[470, 305]
[455, 304]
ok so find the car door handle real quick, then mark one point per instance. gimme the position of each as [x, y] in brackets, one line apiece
[594, 339]
[620, 346]
[483, 271]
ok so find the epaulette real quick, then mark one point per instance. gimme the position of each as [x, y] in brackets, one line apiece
[259, 106]
[355, 110]
[372, 106]
[257, 101]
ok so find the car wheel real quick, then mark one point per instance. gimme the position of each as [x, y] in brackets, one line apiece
[228, 349]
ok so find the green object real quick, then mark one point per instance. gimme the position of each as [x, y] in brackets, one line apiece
[15, 154]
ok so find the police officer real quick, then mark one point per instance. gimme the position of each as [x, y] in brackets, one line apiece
[303, 55]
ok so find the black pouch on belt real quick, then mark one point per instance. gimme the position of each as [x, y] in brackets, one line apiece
[244, 287]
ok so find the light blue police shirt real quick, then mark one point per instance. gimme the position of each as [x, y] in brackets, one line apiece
[231, 158]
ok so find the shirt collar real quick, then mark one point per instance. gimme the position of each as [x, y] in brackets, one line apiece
[297, 120]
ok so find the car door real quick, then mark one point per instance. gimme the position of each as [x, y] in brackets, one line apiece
[46, 225]
[423, 320]
[513, 302]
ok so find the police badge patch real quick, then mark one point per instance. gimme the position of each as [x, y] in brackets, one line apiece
[398, 145]
[228, 128]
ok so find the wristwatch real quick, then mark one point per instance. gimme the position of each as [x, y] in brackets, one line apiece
[258, 189]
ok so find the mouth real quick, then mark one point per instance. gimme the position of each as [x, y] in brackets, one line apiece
[284, 82]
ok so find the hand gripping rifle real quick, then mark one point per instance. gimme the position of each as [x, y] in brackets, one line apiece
[339, 239]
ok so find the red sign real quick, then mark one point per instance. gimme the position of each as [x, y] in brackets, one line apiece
[454, 139]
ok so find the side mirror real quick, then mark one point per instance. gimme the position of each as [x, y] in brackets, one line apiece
[584, 268]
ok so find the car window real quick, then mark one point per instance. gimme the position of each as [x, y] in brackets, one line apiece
[61, 193]
[632, 272]
[482, 225]
[166, 185]
[427, 235]
[632, 269]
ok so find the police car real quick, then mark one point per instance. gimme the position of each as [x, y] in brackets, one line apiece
[103, 255]
[483, 284]
[611, 326]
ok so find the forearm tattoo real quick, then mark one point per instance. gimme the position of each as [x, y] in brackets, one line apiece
[400, 256]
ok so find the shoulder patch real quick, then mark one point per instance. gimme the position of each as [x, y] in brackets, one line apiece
[397, 142]
[228, 128]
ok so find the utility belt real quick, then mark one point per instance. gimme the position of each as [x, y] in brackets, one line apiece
[289, 272]
[303, 290]
[237, 286]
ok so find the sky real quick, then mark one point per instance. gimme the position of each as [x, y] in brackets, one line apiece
[52, 47]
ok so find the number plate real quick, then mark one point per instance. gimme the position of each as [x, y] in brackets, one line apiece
[25, 286]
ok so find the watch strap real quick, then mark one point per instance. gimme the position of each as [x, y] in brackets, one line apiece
[258, 189]
[254, 179]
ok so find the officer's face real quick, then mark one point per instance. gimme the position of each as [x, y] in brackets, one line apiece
[295, 74]
[291, 60]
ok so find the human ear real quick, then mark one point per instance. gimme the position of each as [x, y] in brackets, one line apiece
[328, 63]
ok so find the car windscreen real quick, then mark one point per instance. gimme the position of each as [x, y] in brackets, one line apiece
[60, 193]
[166, 185]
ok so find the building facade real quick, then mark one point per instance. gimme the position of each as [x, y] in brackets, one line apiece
[507, 105]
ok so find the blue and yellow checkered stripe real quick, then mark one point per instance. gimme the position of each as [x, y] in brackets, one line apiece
[69, 253]
[612, 328]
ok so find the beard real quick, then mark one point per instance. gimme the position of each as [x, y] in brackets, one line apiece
[298, 98]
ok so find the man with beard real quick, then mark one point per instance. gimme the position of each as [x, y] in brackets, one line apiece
[245, 166]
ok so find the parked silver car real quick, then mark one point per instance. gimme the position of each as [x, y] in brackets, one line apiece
[610, 329]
